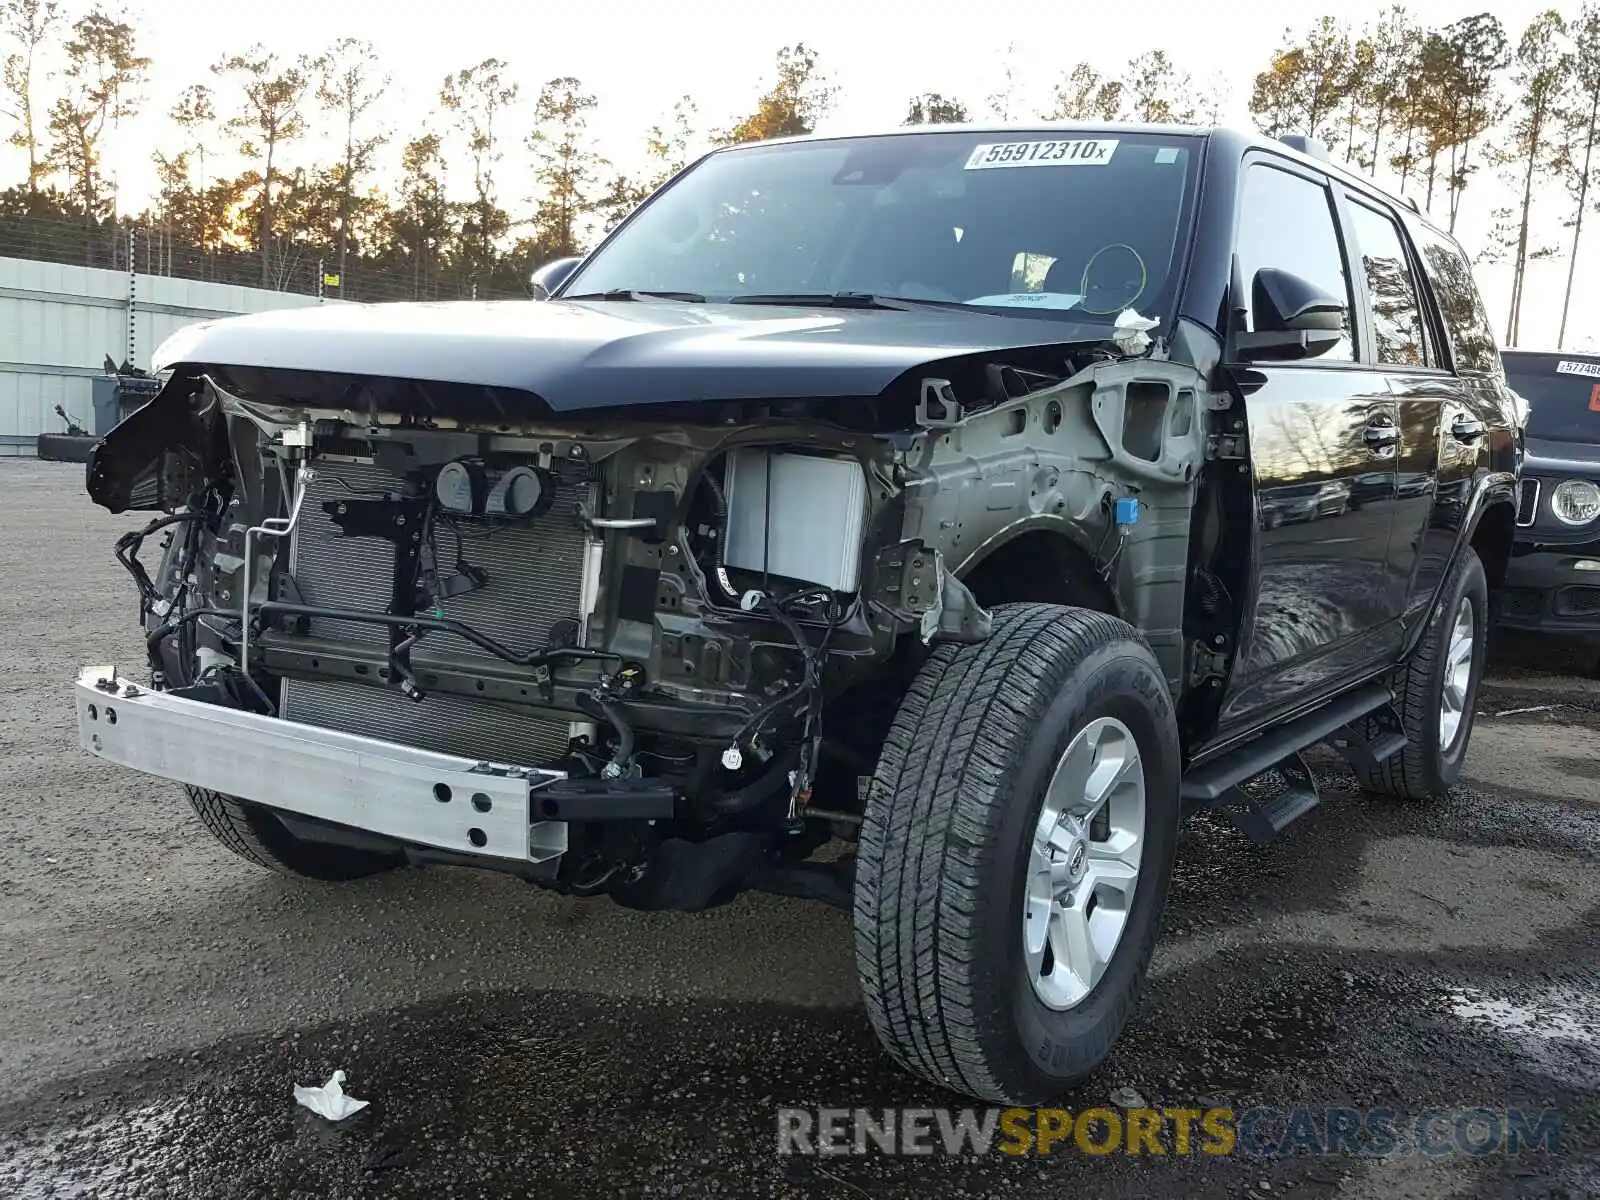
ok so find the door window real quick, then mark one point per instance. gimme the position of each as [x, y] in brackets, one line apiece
[1396, 313]
[1286, 221]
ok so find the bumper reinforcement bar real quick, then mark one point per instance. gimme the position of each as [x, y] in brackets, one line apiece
[441, 800]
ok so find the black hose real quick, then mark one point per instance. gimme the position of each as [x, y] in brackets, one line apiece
[536, 658]
[623, 755]
[127, 553]
[771, 782]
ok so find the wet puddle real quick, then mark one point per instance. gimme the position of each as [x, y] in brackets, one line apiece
[93, 1158]
[1555, 1033]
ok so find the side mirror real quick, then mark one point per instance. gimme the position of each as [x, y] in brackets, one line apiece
[544, 282]
[1294, 319]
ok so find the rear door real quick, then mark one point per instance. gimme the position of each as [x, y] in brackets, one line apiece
[1405, 347]
[1471, 427]
[1323, 436]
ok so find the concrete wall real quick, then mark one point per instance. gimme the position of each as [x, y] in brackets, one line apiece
[58, 323]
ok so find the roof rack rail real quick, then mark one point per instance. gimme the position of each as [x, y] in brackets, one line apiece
[1310, 146]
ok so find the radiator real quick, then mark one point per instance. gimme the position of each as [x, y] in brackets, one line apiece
[535, 578]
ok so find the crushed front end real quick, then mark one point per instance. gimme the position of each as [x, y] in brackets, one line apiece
[650, 652]
[633, 625]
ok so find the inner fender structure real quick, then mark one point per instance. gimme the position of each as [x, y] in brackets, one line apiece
[1109, 459]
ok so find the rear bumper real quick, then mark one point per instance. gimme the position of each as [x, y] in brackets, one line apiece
[1545, 590]
[483, 810]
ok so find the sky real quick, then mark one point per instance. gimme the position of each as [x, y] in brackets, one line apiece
[638, 56]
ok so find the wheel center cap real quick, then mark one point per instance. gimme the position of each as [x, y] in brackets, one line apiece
[1076, 856]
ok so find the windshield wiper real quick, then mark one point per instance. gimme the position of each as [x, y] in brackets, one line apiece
[846, 300]
[635, 294]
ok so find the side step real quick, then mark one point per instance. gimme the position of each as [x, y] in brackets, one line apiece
[1217, 784]
[1364, 752]
[1262, 820]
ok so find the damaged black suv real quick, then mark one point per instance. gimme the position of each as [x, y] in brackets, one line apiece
[978, 499]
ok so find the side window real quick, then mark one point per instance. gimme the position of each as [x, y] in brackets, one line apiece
[1466, 322]
[1396, 312]
[1286, 221]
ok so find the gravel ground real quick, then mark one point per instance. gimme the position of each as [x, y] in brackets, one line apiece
[159, 998]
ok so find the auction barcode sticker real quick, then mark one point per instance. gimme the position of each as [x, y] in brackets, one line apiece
[1568, 367]
[1092, 152]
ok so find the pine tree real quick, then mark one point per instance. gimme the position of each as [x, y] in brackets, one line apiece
[268, 119]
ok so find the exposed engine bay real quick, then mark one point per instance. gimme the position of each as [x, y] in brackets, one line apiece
[695, 626]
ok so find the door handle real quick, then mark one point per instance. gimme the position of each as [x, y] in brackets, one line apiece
[1466, 429]
[1381, 437]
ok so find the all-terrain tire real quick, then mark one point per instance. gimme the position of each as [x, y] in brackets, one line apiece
[944, 844]
[1427, 768]
[256, 835]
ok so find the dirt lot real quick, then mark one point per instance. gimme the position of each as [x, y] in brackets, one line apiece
[159, 998]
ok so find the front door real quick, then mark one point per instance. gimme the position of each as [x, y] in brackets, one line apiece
[1324, 435]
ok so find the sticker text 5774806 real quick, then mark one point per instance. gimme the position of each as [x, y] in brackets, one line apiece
[1081, 152]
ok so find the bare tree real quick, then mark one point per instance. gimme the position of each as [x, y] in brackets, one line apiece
[1581, 130]
[1216, 93]
[1158, 91]
[349, 85]
[1004, 98]
[1541, 73]
[27, 23]
[669, 150]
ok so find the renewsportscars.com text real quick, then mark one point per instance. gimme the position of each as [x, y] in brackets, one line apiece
[1255, 1132]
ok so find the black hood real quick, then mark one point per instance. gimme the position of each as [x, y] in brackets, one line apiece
[1549, 455]
[577, 355]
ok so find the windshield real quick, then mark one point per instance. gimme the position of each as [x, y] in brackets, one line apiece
[1069, 224]
[1563, 395]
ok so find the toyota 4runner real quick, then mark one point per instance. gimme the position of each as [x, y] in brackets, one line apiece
[980, 499]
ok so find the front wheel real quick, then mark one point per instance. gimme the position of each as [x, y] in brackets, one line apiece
[256, 835]
[1015, 854]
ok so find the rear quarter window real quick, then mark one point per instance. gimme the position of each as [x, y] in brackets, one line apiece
[1460, 304]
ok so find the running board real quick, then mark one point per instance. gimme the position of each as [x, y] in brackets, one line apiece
[1213, 784]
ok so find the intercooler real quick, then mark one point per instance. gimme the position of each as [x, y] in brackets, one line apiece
[534, 570]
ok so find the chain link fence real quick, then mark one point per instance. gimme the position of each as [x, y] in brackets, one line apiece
[148, 248]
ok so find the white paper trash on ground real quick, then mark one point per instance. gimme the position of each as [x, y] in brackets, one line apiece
[329, 1100]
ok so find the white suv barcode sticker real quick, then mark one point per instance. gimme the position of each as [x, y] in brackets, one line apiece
[1567, 367]
[1093, 152]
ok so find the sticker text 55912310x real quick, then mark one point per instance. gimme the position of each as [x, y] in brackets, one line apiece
[1081, 152]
